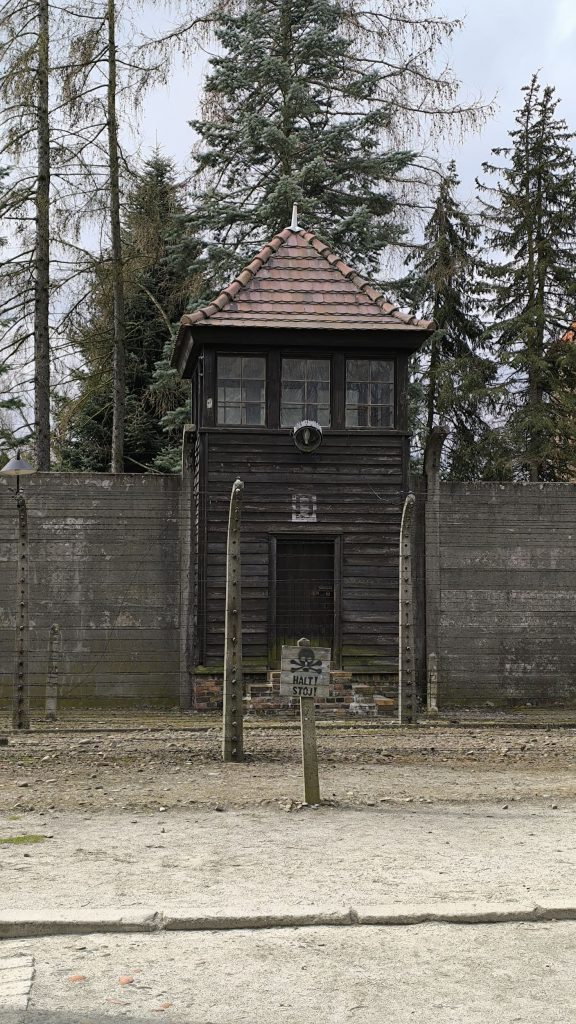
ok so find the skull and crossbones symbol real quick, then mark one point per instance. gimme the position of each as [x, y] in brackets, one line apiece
[306, 662]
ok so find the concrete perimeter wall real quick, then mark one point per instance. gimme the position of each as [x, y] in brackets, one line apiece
[507, 593]
[109, 562]
[104, 566]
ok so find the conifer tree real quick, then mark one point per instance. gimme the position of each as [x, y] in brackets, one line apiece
[309, 103]
[529, 217]
[453, 374]
[157, 254]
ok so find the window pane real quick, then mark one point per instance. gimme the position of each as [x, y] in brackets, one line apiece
[291, 415]
[293, 369]
[320, 413]
[254, 414]
[292, 393]
[228, 393]
[319, 393]
[305, 391]
[381, 416]
[357, 394]
[358, 369]
[318, 369]
[383, 370]
[241, 383]
[229, 366]
[229, 414]
[369, 393]
[253, 391]
[381, 394]
[253, 368]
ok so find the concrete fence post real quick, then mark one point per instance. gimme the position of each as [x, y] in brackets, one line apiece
[407, 696]
[432, 457]
[21, 691]
[233, 696]
[187, 566]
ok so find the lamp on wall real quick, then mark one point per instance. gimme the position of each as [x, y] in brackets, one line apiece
[307, 435]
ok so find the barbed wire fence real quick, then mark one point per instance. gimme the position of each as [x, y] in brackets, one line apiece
[493, 583]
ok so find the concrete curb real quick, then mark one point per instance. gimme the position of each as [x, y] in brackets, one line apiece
[21, 925]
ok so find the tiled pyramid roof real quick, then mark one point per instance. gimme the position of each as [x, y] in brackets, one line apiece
[295, 281]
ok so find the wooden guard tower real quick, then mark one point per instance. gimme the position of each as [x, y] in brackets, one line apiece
[299, 338]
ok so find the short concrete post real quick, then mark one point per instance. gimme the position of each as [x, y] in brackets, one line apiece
[232, 708]
[407, 697]
[21, 691]
[432, 687]
[52, 679]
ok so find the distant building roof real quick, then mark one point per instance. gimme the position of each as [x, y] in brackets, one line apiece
[295, 281]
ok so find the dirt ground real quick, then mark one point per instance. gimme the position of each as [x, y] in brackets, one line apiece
[171, 767]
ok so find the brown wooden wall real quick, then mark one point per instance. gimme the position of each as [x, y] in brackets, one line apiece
[358, 480]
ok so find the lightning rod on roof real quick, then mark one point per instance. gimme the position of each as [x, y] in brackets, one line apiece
[294, 225]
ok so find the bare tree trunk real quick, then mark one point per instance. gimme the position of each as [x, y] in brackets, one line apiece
[119, 373]
[42, 261]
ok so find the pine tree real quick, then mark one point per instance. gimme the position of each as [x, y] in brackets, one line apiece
[529, 216]
[453, 374]
[297, 111]
[157, 254]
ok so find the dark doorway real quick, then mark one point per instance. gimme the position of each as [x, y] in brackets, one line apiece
[305, 590]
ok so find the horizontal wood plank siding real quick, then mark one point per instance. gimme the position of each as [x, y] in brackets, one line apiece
[356, 480]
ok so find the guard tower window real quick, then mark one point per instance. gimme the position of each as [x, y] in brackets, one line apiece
[241, 390]
[369, 393]
[305, 391]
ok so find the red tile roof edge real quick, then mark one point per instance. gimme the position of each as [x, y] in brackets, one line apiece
[570, 334]
[230, 292]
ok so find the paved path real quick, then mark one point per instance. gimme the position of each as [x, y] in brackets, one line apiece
[16, 976]
[265, 861]
[424, 974]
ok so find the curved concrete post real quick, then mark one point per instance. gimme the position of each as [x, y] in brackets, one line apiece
[187, 568]
[233, 708]
[407, 698]
[21, 690]
[432, 457]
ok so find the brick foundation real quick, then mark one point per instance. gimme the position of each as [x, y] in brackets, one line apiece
[368, 693]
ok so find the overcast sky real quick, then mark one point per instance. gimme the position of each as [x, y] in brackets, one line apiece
[502, 43]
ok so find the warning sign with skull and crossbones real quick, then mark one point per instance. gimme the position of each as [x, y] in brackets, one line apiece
[305, 671]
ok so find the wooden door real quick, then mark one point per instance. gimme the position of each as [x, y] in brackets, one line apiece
[305, 591]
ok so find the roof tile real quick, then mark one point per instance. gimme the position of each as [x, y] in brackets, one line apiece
[296, 280]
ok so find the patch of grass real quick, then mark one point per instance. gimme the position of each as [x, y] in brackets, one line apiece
[17, 840]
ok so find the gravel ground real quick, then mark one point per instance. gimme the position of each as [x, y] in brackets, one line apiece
[444, 974]
[155, 819]
[147, 770]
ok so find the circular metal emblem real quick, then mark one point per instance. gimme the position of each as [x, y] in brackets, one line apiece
[307, 435]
